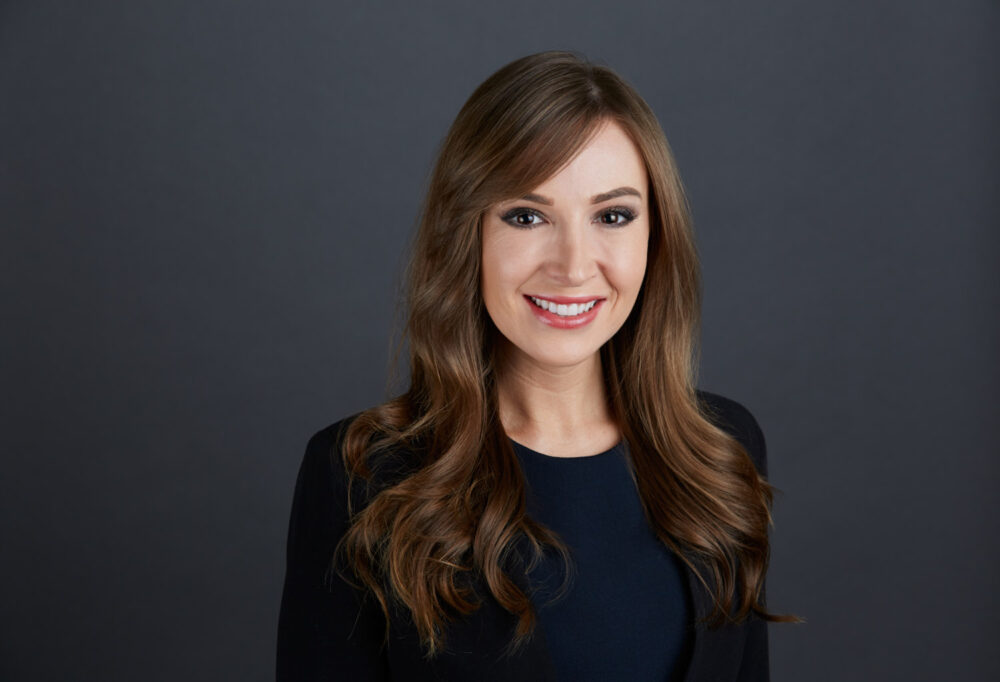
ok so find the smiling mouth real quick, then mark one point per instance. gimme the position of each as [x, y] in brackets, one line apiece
[564, 309]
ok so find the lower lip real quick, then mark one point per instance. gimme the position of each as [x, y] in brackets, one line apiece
[561, 322]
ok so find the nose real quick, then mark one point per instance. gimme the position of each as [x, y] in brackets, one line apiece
[571, 261]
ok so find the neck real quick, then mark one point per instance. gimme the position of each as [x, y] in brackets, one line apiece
[555, 409]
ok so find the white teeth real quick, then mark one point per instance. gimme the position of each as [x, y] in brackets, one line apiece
[564, 310]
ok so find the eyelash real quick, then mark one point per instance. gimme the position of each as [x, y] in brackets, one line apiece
[627, 214]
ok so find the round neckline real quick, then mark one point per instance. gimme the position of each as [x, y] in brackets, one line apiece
[524, 448]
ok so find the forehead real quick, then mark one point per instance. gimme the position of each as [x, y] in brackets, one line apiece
[609, 159]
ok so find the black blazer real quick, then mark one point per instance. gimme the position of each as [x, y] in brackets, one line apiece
[328, 632]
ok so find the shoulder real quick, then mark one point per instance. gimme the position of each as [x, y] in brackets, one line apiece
[324, 446]
[323, 465]
[321, 484]
[736, 420]
[328, 440]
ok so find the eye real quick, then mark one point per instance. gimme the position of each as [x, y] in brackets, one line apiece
[521, 217]
[619, 216]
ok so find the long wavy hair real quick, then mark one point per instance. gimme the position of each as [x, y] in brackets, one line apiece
[423, 539]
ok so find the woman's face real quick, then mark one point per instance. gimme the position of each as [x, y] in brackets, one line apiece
[562, 266]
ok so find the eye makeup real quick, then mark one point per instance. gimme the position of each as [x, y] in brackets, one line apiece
[512, 217]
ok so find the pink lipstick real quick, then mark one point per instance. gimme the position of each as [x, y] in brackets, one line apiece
[553, 319]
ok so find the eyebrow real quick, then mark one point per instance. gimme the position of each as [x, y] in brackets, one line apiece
[596, 199]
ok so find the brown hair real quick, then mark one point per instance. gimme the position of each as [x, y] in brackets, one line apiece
[460, 508]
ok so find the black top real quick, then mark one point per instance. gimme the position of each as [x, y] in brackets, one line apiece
[628, 613]
[329, 631]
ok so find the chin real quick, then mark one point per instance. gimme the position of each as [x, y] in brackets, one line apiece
[567, 358]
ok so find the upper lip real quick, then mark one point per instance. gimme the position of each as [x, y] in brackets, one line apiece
[567, 299]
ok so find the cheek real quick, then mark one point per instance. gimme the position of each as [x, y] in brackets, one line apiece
[630, 265]
[488, 277]
[639, 268]
[506, 265]
[496, 279]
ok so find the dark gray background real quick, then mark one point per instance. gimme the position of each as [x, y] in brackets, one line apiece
[205, 207]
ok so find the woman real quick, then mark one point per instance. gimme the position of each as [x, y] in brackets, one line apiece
[551, 498]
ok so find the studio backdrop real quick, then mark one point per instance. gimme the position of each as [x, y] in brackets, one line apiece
[204, 211]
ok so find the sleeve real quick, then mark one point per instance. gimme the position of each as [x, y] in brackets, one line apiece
[755, 665]
[326, 629]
